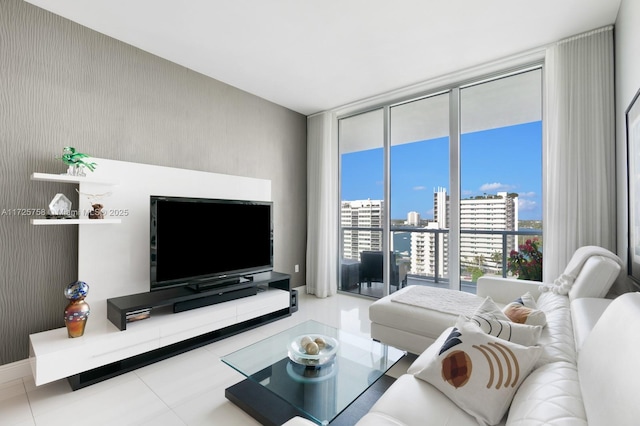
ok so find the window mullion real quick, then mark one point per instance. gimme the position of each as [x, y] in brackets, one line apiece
[386, 211]
[454, 185]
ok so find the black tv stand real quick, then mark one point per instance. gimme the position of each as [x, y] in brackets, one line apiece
[184, 298]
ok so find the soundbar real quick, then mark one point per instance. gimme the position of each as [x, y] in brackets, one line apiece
[212, 299]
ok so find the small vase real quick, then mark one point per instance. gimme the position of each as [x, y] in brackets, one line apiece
[77, 311]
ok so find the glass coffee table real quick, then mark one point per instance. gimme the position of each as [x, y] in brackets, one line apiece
[283, 380]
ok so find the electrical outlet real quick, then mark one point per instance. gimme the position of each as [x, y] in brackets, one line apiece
[297, 268]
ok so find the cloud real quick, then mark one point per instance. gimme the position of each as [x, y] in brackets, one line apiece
[526, 205]
[495, 186]
[527, 194]
[419, 188]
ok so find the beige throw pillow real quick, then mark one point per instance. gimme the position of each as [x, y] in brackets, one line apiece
[524, 310]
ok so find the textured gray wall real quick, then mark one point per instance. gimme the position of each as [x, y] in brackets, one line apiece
[62, 84]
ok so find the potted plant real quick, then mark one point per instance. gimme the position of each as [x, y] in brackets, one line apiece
[526, 263]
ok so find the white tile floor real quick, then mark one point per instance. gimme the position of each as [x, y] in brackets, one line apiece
[187, 389]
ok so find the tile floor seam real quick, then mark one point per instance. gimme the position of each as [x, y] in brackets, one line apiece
[26, 394]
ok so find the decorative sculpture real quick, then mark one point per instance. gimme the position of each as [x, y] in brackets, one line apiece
[97, 207]
[75, 161]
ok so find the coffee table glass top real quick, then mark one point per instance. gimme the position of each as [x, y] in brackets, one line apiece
[322, 385]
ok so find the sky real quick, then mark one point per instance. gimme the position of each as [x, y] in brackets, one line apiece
[504, 159]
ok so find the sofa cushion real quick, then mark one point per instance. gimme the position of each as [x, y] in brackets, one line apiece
[411, 401]
[479, 372]
[549, 396]
[394, 323]
[493, 321]
[607, 365]
[585, 313]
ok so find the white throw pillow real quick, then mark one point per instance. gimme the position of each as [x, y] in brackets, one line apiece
[524, 310]
[489, 307]
[493, 321]
[478, 372]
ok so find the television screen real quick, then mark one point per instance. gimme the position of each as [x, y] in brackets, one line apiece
[199, 241]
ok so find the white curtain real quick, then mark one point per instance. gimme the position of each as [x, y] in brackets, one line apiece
[579, 182]
[322, 206]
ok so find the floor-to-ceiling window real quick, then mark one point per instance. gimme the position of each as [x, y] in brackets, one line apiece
[459, 173]
[419, 171]
[362, 201]
[500, 172]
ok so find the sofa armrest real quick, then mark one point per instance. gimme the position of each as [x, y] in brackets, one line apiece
[585, 313]
[506, 290]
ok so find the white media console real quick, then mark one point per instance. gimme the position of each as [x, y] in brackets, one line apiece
[114, 260]
[105, 351]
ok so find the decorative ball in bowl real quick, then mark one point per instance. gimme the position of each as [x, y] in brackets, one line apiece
[313, 349]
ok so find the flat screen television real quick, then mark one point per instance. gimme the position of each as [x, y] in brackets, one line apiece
[202, 242]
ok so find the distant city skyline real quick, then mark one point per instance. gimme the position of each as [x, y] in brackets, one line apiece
[502, 159]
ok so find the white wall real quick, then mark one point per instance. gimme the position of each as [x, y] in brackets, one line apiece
[627, 41]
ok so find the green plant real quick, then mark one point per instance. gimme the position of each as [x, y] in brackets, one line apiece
[526, 263]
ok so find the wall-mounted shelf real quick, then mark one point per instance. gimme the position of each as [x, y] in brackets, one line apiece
[74, 221]
[64, 178]
[50, 177]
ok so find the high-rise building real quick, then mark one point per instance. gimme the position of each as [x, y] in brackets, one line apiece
[413, 219]
[487, 213]
[429, 250]
[361, 214]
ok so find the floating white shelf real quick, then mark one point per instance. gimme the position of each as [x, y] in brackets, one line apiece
[50, 177]
[74, 221]
[69, 179]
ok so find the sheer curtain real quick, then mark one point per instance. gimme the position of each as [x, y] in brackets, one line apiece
[579, 183]
[322, 206]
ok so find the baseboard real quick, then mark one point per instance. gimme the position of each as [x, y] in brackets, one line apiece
[15, 370]
[302, 289]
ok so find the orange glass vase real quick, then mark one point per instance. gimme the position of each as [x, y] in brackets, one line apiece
[77, 311]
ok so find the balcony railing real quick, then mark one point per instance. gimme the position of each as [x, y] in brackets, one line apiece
[437, 255]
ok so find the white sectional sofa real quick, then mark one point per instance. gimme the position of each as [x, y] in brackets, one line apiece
[586, 374]
[596, 383]
[414, 328]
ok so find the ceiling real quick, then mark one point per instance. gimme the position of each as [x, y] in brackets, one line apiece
[311, 56]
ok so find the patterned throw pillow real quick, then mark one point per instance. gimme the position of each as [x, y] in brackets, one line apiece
[492, 321]
[524, 310]
[478, 372]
